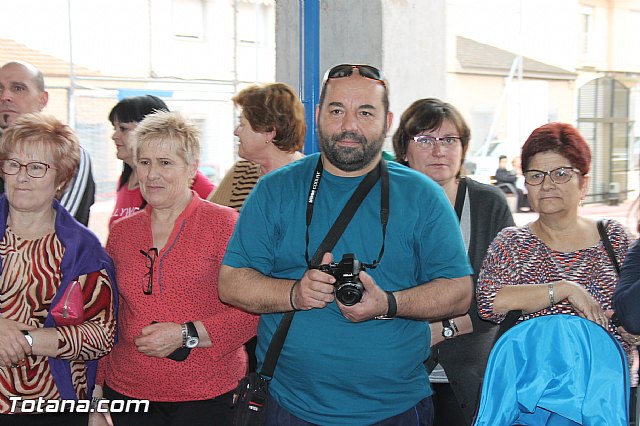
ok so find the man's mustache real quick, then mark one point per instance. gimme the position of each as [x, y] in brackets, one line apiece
[351, 136]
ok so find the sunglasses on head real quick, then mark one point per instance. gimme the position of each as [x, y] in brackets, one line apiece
[346, 70]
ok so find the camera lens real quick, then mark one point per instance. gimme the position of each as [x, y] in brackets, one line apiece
[349, 293]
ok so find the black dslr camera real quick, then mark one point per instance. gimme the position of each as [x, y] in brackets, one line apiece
[348, 287]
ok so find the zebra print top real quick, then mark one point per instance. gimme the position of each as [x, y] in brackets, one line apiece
[28, 283]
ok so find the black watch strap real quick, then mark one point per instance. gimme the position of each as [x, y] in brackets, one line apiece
[393, 305]
[191, 329]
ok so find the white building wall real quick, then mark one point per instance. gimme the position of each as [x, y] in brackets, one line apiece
[156, 45]
[544, 30]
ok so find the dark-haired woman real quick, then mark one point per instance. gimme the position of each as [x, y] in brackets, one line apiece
[433, 138]
[556, 264]
[125, 117]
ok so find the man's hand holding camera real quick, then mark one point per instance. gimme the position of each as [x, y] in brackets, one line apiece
[373, 303]
[358, 296]
[314, 289]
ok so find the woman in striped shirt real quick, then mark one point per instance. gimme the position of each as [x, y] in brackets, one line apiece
[271, 133]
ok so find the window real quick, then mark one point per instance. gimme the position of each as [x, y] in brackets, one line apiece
[248, 24]
[587, 29]
[188, 19]
[631, 38]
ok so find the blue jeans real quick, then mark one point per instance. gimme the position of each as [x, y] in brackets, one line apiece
[419, 415]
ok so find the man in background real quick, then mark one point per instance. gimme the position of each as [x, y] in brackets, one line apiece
[22, 91]
[502, 174]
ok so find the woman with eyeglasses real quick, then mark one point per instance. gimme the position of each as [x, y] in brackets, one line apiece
[57, 284]
[180, 347]
[433, 138]
[556, 264]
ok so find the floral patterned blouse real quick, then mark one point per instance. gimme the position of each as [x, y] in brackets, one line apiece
[518, 257]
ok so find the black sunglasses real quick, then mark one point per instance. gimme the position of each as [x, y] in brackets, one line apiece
[147, 279]
[346, 70]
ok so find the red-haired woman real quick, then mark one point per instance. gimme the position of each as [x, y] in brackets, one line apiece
[557, 263]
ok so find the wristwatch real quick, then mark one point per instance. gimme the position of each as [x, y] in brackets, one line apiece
[28, 337]
[94, 403]
[192, 335]
[449, 329]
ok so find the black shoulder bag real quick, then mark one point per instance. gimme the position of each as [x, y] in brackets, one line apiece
[250, 397]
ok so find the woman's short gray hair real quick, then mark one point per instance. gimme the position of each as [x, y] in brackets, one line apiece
[170, 127]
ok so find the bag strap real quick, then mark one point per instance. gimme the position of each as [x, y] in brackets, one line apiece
[329, 241]
[602, 230]
[460, 196]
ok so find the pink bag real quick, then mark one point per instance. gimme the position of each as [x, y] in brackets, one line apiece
[70, 309]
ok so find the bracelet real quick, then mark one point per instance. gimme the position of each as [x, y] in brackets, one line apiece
[293, 307]
[392, 308]
[552, 300]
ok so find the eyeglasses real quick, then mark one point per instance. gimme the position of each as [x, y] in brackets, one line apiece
[429, 142]
[35, 169]
[559, 175]
[345, 70]
[147, 280]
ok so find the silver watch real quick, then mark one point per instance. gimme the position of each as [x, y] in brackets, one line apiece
[449, 329]
[28, 337]
[192, 335]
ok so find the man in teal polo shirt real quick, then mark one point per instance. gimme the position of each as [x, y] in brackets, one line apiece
[360, 364]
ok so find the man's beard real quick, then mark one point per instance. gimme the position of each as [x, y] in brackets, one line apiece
[4, 121]
[350, 159]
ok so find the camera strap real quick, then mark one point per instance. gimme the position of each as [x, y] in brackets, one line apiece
[329, 241]
[379, 172]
